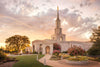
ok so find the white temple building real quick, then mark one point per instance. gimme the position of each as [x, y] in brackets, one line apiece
[47, 46]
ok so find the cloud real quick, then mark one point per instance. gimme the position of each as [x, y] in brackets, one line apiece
[43, 26]
[90, 2]
[15, 20]
[22, 7]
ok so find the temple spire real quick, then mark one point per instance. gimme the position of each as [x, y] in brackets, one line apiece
[57, 12]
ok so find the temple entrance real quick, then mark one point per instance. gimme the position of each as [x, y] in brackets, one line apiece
[47, 50]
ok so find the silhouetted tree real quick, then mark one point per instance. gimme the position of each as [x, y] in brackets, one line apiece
[17, 42]
[95, 38]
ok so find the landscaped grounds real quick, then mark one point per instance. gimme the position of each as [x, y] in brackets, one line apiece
[74, 55]
[28, 61]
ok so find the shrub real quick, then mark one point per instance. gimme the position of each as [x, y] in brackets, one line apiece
[2, 56]
[94, 50]
[56, 52]
[34, 52]
[40, 53]
[64, 55]
[78, 58]
[64, 52]
[55, 57]
[91, 58]
[56, 46]
[74, 51]
[95, 39]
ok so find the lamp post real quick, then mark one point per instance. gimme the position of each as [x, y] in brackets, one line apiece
[44, 61]
[37, 55]
[61, 57]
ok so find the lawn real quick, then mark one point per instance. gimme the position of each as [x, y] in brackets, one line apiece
[28, 61]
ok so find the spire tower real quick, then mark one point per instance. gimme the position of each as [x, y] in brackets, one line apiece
[58, 36]
[58, 25]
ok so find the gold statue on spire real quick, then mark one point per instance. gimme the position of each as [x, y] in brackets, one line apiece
[57, 12]
[57, 8]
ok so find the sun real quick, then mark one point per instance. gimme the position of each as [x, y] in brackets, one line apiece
[87, 35]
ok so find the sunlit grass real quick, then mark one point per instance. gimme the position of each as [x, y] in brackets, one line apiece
[28, 61]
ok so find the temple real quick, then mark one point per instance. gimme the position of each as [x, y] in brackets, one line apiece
[47, 46]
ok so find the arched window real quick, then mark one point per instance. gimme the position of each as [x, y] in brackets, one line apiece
[61, 38]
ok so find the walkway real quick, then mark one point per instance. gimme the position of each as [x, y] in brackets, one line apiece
[7, 64]
[62, 63]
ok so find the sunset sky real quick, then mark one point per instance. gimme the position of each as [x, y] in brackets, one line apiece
[36, 18]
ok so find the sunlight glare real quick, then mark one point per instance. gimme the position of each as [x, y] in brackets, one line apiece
[64, 22]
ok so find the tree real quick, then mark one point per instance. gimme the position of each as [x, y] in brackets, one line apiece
[95, 38]
[17, 42]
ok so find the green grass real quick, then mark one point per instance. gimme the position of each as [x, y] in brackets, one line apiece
[28, 61]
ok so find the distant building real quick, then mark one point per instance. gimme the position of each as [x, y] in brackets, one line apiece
[47, 46]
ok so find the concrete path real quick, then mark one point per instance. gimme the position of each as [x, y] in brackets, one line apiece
[62, 63]
[7, 64]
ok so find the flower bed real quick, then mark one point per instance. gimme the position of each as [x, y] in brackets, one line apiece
[54, 57]
[56, 52]
[64, 55]
[77, 60]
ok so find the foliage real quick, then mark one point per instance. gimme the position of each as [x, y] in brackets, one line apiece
[64, 55]
[1, 49]
[56, 49]
[64, 52]
[91, 58]
[94, 50]
[78, 58]
[28, 61]
[2, 56]
[95, 38]
[56, 52]
[16, 43]
[97, 59]
[54, 57]
[75, 50]
[56, 46]
[34, 52]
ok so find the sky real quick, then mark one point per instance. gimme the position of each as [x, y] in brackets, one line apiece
[36, 18]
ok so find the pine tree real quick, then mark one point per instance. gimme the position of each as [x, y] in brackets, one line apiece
[95, 38]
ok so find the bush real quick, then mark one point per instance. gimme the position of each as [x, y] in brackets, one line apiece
[40, 53]
[34, 52]
[56, 46]
[95, 39]
[74, 51]
[64, 52]
[55, 57]
[78, 58]
[2, 56]
[64, 55]
[56, 52]
[94, 51]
